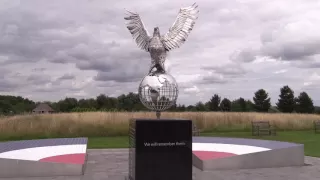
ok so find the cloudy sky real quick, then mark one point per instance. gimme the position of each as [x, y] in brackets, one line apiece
[50, 50]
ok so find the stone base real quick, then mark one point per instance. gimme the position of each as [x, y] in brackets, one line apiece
[43, 157]
[21, 168]
[278, 154]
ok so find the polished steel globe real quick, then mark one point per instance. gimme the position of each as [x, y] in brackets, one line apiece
[158, 91]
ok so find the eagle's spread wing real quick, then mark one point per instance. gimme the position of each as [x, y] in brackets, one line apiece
[181, 28]
[137, 30]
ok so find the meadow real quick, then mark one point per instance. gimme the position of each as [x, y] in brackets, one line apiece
[111, 124]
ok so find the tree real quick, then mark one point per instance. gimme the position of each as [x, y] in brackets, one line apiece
[304, 103]
[88, 104]
[214, 103]
[225, 105]
[101, 101]
[67, 104]
[261, 101]
[181, 108]
[239, 105]
[250, 106]
[10, 105]
[243, 104]
[129, 102]
[5, 107]
[136, 103]
[317, 109]
[200, 106]
[286, 103]
[191, 108]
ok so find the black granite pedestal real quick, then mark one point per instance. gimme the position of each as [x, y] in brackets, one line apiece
[160, 149]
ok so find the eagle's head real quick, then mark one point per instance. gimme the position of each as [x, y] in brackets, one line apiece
[156, 32]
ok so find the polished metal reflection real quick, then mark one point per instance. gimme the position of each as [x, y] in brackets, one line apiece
[158, 90]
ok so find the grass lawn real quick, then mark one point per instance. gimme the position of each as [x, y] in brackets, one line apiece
[310, 140]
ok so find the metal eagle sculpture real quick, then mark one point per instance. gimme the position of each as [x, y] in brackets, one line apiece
[158, 45]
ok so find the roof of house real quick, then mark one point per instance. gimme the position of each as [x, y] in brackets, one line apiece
[43, 107]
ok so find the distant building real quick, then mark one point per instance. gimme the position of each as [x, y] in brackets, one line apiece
[42, 108]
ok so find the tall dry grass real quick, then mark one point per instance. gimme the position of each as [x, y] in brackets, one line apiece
[116, 123]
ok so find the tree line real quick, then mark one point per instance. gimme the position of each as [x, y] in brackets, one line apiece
[287, 103]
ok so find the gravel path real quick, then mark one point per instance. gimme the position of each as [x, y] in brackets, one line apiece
[113, 165]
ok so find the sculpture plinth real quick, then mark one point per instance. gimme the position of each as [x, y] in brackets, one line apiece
[157, 151]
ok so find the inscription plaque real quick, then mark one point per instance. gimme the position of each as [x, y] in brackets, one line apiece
[160, 149]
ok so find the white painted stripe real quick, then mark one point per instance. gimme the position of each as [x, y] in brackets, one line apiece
[228, 148]
[37, 153]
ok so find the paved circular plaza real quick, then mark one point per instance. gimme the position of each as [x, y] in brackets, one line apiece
[112, 164]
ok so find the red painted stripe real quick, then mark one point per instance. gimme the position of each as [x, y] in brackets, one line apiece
[208, 155]
[66, 158]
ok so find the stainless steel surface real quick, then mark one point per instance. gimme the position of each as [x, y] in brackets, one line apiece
[154, 94]
[158, 45]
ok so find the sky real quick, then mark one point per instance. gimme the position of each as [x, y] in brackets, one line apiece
[50, 50]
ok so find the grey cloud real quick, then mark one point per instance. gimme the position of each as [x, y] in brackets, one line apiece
[103, 66]
[38, 79]
[117, 62]
[55, 88]
[289, 51]
[212, 79]
[58, 41]
[44, 90]
[7, 86]
[59, 60]
[67, 77]
[130, 74]
[313, 86]
[39, 69]
[18, 80]
[61, 57]
[82, 52]
[3, 72]
[104, 84]
[92, 39]
[284, 43]
[312, 64]
[185, 85]
[292, 50]
[266, 37]
[94, 51]
[227, 69]
[35, 37]
[245, 55]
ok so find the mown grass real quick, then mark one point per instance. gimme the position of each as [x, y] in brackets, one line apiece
[102, 124]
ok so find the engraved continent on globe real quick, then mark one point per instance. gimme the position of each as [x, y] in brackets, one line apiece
[158, 91]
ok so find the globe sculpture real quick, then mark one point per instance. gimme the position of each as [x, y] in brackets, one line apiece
[158, 91]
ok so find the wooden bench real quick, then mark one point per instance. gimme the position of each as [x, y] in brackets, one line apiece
[262, 128]
[316, 126]
[195, 130]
